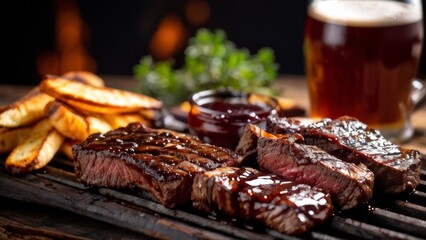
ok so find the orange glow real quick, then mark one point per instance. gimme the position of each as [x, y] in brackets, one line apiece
[70, 53]
[197, 12]
[168, 39]
[48, 63]
[76, 59]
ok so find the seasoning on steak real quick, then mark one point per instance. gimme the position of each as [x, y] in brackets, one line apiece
[245, 193]
[348, 184]
[162, 162]
[396, 169]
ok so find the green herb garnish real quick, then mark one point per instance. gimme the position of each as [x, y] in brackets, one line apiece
[211, 62]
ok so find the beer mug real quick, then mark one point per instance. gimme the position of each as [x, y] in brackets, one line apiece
[361, 59]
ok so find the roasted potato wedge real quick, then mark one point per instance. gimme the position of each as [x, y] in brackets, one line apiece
[26, 110]
[151, 114]
[122, 120]
[66, 121]
[286, 103]
[12, 137]
[85, 77]
[66, 148]
[73, 92]
[90, 109]
[97, 124]
[36, 150]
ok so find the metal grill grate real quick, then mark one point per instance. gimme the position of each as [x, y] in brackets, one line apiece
[387, 217]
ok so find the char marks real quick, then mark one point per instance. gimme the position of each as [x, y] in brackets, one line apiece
[162, 162]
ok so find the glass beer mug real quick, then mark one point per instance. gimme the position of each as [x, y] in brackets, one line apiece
[361, 58]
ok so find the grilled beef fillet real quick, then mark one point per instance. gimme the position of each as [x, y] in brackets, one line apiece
[397, 170]
[278, 125]
[245, 193]
[247, 146]
[162, 162]
[348, 184]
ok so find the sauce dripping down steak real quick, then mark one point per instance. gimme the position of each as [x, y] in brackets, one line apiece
[246, 193]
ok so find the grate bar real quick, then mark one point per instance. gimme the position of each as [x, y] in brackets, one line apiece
[409, 209]
[365, 230]
[398, 222]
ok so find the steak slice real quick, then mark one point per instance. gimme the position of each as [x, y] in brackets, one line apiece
[278, 125]
[396, 169]
[161, 162]
[348, 184]
[245, 193]
[247, 146]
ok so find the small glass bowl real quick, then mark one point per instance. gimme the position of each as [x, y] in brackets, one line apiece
[219, 116]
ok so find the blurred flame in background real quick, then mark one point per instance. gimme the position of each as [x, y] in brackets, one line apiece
[168, 39]
[71, 35]
[171, 35]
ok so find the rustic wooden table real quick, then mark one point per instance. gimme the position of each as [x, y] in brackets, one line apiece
[19, 220]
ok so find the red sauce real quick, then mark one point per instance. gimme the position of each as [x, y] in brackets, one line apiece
[221, 122]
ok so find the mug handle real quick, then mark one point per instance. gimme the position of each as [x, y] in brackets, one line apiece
[418, 92]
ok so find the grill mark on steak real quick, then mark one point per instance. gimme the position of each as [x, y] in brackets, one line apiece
[397, 170]
[158, 161]
[348, 184]
[197, 154]
[245, 193]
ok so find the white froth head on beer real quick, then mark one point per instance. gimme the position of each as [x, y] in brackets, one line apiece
[365, 13]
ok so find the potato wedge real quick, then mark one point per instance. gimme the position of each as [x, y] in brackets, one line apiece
[73, 92]
[122, 120]
[151, 114]
[66, 121]
[66, 148]
[286, 103]
[37, 150]
[90, 109]
[12, 137]
[26, 110]
[97, 124]
[85, 77]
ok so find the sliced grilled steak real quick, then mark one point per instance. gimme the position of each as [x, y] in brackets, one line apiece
[397, 170]
[162, 162]
[247, 146]
[348, 184]
[245, 193]
[278, 125]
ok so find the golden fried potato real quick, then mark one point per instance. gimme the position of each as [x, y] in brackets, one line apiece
[97, 99]
[286, 103]
[11, 137]
[66, 148]
[90, 109]
[97, 124]
[66, 121]
[26, 110]
[85, 77]
[122, 120]
[36, 150]
[151, 114]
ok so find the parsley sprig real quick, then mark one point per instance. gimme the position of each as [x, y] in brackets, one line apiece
[211, 62]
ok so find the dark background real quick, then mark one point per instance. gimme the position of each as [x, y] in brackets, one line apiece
[119, 32]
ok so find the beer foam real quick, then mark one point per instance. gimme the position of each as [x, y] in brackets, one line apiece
[365, 13]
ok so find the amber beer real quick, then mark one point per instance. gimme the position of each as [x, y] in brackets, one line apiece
[361, 57]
